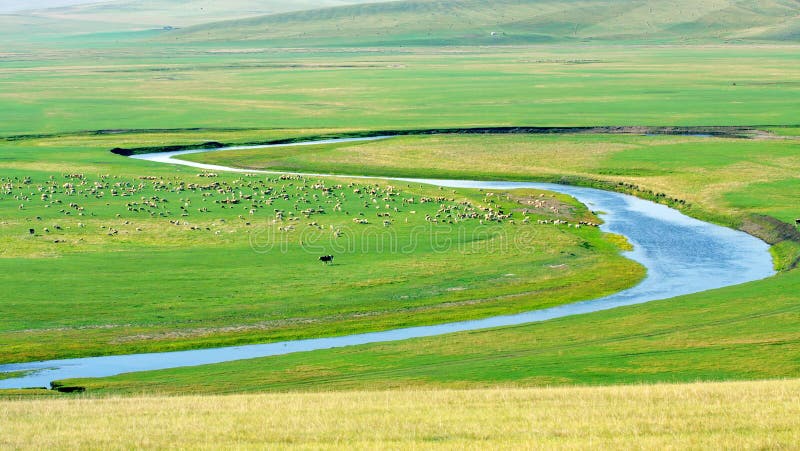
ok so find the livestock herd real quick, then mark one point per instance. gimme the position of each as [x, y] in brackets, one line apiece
[287, 202]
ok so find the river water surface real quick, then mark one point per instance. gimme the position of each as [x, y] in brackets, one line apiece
[682, 256]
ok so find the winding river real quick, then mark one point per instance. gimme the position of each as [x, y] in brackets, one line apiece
[682, 256]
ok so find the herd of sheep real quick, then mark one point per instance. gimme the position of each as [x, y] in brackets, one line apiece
[287, 202]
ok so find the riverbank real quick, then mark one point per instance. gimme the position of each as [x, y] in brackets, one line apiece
[716, 131]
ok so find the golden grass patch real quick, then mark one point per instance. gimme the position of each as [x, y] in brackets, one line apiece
[701, 415]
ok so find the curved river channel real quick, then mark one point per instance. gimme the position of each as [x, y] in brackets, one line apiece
[682, 256]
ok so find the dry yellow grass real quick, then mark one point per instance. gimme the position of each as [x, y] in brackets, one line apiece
[743, 415]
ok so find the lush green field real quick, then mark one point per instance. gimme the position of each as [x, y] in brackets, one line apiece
[739, 333]
[137, 281]
[101, 254]
[126, 311]
[718, 335]
[755, 415]
[138, 86]
[731, 181]
[172, 259]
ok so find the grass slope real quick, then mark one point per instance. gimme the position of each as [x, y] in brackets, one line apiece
[471, 22]
[22, 29]
[752, 415]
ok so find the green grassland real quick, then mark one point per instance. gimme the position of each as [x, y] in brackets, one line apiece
[700, 170]
[105, 284]
[171, 258]
[133, 86]
[743, 332]
[733, 181]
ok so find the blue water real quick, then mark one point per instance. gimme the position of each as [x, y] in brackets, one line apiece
[682, 256]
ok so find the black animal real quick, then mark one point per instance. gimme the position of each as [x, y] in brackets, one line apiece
[31, 231]
[62, 389]
[327, 259]
[797, 221]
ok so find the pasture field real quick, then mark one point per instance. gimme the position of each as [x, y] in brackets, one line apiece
[744, 332]
[154, 285]
[127, 256]
[102, 254]
[129, 306]
[752, 415]
[157, 86]
[732, 181]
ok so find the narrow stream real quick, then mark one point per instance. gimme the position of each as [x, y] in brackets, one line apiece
[682, 256]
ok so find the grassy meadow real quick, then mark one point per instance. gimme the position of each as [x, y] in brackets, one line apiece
[134, 87]
[752, 415]
[744, 332]
[156, 284]
[184, 259]
[102, 254]
[732, 181]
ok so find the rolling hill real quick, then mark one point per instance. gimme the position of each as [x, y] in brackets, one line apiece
[150, 13]
[471, 22]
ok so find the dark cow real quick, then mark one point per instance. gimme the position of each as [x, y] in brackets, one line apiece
[327, 259]
[31, 231]
[797, 221]
[70, 389]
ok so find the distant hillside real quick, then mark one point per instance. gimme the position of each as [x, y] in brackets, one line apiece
[7, 6]
[16, 29]
[471, 22]
[177, 13]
